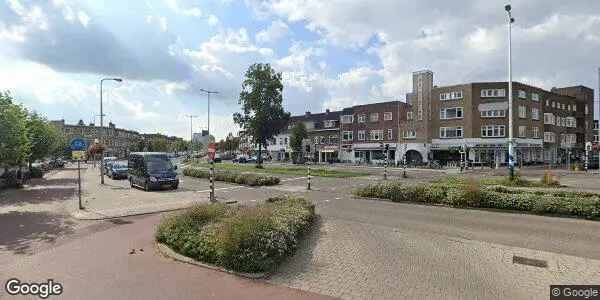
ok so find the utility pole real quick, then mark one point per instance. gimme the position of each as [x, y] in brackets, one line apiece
[208, 94]
[102, 128]
[511, 158]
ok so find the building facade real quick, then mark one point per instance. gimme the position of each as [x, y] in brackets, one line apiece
[118, 141]
[447, 123]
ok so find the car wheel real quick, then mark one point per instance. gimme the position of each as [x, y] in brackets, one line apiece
[175, 186]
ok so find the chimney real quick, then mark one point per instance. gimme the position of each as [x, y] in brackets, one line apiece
[307, 114]
[327, 111]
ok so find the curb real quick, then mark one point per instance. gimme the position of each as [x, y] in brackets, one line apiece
[170, 253]
[92, 216]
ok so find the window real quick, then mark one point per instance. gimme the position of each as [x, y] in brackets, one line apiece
[549, 137]
[362, 118]
[570, 122]
[409, 115]
[387, 116]
[586, 110]
[553, 104]
[547, 102]
[493, 131]
[548, 118]
[361, 135]
[390, 134]
[535, 132]
[451, 113]
[317, 139]
[522, 94]
[451, 132]
[451, 95]
[574, 107]
[535, 113]
[569, 107]
[374, 117]
[522, 112]
[328, 123]
[347, 136]
[376, 135]
[568, 139]
[536, 97]
[491, 93]
[287, 142]
[493, 113]
[410, 134]
[347, 119]
[522, 131]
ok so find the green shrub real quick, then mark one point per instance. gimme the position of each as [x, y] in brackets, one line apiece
[250, 179]
[244, 239]
[36, 172]
[459, 193]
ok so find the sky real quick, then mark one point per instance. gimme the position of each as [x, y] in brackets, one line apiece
[331, 54]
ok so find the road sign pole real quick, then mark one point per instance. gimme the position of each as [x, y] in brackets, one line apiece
[308, 179]
[79, 183]
[386, 165]
[212, 180]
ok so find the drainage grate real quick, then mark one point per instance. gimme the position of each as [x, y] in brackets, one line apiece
[530, 261]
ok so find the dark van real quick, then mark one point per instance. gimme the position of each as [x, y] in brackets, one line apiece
[152, 170]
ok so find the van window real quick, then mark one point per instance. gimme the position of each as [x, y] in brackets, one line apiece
[158, 163]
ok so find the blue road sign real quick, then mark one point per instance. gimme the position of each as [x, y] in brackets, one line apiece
[78, 145]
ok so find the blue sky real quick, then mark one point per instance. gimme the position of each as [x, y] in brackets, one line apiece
[331, 53]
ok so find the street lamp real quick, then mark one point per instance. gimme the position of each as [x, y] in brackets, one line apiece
[208, 94]
[191, 133]
[102, 125]
[511, 159]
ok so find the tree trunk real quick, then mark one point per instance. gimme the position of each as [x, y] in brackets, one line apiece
[259, 158]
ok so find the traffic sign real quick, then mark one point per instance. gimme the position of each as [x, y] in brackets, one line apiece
[212, 149]
[77, 155]
[78, 144]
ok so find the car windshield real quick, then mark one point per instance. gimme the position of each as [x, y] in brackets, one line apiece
[158, 164]
[119, 166]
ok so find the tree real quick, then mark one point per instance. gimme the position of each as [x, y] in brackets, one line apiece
[261, 99]
[43, 137]
[298, 134]
[14, 142]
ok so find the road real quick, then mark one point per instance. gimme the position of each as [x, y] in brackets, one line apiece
[358, 249]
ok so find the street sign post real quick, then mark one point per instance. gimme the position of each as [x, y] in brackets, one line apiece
[78, 147]
[212, 150]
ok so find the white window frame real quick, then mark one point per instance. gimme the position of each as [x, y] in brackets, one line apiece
[522, 111]
[410, 134]
[374, 117]
[522, 94]
[362, 118]
[535, 132]
[454, 95]
[549, 137]
[347, 119]
[522, 131]
[444, 113]
[535, 113]
[493, 93]
[536, 97]
[549, 119]
[376, 135]
[348, 136]
[328, 123]
[390, 134]
[494, 129]
[361, 135]
[493, 113]
[444, 132]
[409, 115]
[387, 116]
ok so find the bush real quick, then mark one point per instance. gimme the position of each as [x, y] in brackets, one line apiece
[243, 239]
[550, 179]
[36, 172]
[250, 179]
[460, 194]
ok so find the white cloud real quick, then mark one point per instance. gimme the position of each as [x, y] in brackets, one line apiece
[163, 23]
[212, 20]
[276, 31]
[177, 9]
[84, 19]
[482, 40]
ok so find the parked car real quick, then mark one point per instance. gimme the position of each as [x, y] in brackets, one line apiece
[105, 162]
[117, 170]
[217, 158]
[240, 159]
[57, 163]
[152, 170]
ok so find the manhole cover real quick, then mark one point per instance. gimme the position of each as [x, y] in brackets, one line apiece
[529, 261]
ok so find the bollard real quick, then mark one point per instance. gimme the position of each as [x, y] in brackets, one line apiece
[212, 180]
[385, 168]
[586, 161]
[308, 179]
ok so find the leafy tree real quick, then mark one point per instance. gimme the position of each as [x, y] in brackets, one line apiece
[14, 142]
[261, 99]
[298, 134]
[43, 137]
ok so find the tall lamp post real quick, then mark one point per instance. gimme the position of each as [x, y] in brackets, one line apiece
[191, 133]
[511, 158]
[208, 94]
[102, 126]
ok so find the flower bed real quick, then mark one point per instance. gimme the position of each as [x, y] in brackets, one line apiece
[233, 177]
[586, 205]
[239, 238]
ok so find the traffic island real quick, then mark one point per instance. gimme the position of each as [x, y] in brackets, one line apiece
[248, 241]
[244, 178]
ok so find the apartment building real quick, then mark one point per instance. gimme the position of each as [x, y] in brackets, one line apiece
[443, 123]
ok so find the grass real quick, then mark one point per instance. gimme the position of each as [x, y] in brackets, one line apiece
[295, 170]
[503, 181]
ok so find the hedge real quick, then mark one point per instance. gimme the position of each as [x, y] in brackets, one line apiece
[580, 204]
[239, 238]
[250, 179]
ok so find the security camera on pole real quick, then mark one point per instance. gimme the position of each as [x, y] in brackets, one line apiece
[511, 158]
